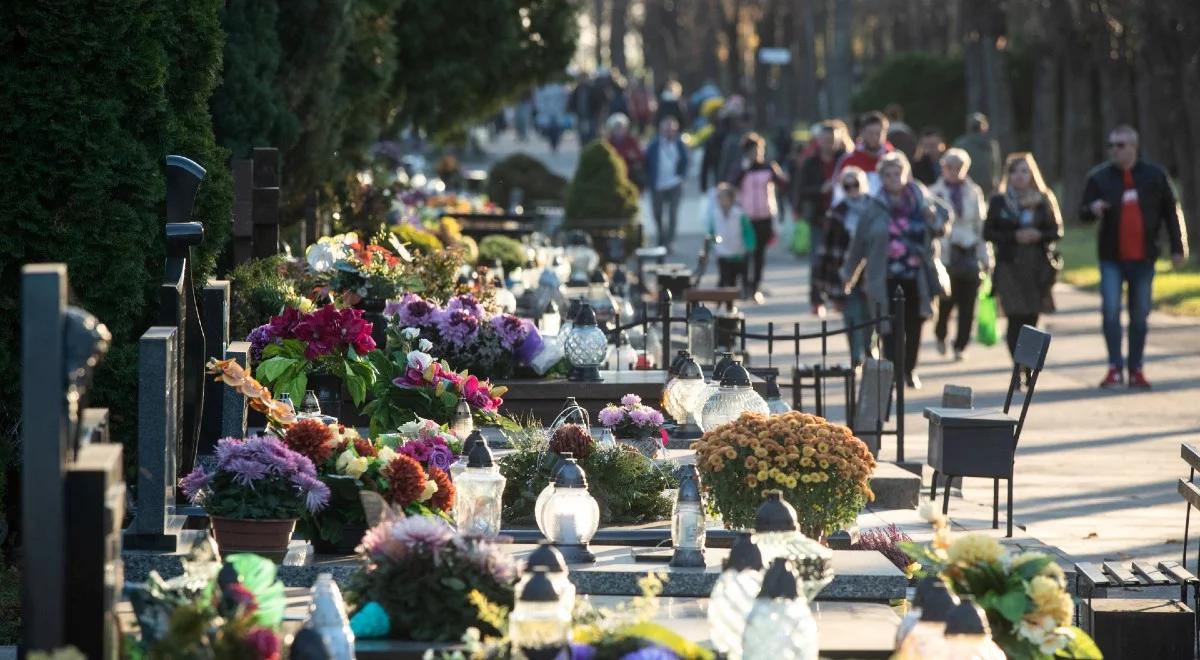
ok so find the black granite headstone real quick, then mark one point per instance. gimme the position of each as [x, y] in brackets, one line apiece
[264, 202]
[214, 316]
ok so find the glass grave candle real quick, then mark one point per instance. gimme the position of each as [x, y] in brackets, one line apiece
[733, 596]
[777, 533]
[734, 396]
[702, 334]
[687, 521]
[480, 487]
[539, 626]
[571, 515]
[684, 397]
[585, 347]
[780, 625]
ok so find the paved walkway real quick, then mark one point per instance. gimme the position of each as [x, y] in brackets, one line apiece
[1096, 470]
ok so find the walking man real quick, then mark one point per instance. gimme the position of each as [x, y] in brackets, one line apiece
[984, 152]
[666, 167]
[1135, 203]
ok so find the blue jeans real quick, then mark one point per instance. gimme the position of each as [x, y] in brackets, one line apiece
[854, 311]
[1113, 277]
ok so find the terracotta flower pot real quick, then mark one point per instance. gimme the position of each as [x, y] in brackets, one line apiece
[268, 538]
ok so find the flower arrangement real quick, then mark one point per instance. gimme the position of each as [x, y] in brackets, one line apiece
[198, 616]
[464, 332]
[628, 488]
[822, 469]
[258, 478]
[572, 439]
[413, 385]
[278, 413]
[888, 541]
[1024, 594]
[429, 581]
[356, 271]
[631, 419]
[327, 341]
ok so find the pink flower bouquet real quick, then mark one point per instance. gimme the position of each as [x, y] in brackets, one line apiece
[631, 419]
[328, 341]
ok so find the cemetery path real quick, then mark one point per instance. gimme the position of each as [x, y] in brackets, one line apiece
[1096, 469]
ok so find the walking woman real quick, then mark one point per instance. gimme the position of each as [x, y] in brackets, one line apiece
[837, 231]
[964, 252]
[1023, 225]
[756, 181]
[893, 246]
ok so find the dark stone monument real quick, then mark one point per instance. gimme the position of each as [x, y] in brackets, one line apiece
[73, 493]
[265, 202]
[178, 307]
[243, 211]
[214, 316]
[233, 404]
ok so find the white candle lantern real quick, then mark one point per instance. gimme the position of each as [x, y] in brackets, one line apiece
[585, 346]
[480, 494]
[734, 396]
[538, 625]
[733, 596]
[780, 625]
[571, 515]
[687, 521]
[778, 535]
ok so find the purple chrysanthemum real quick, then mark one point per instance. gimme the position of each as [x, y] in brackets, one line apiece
[640, 416]
[416, 450]
[415, 311]
[611, 415]
[511, 330]
[316, 492]
[457, 326]
[631, 400]
[246, 470]
[259, 338]
[195, 483]
[466, 303]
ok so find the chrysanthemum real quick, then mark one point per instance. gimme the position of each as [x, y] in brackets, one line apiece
[444, 497]
[311, 439]
[406, 480]
[194, 483]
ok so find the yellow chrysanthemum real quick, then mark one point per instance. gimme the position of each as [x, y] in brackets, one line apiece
[808, 451]
[824, 465]
[763, 475]
[751, 481]
[1049, 599]
[806, 462]
[760, 452]
[751, 462]
[730, 453]
[975, 548]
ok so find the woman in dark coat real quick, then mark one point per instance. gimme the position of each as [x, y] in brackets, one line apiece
[1023, 224]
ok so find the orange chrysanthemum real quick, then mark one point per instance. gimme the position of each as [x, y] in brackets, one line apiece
[406, 481]
[310, 438]
[444, 497]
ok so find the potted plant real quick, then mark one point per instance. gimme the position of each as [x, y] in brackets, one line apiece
[256, 493]
[320, 350]
[821, 468]
[636, 424]
[421, 580]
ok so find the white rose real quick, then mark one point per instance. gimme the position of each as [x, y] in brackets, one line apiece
[425, 345]
[419, 360]
[430, 489]
[344, 460]
[386, 454]
[412, 333]
[321, 256]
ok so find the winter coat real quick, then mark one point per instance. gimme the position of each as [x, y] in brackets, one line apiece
[1156, 198]
[867, 259]
[1023, 277]
[966, 230]
[681, 166]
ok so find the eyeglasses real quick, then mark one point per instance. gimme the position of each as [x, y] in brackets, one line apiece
[850, 185]
[1116, 145]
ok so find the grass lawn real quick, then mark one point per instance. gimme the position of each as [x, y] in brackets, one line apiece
[1176, 291]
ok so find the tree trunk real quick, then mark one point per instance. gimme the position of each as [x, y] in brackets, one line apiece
[1078, 136]
[652, 42]
[618, 25]
[598, 22]
[1046, 88]
[805, 63]
[840, 67]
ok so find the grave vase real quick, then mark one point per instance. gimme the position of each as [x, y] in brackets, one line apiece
[648, 443]
[268, 538]
[329, 393]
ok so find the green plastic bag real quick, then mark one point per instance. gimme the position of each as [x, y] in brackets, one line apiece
[801, 237]
[985, 314]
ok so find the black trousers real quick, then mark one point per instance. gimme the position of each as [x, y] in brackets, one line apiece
[963, 290]
[913, 323]
[1015, 321]
[731, 271]
[763, 233]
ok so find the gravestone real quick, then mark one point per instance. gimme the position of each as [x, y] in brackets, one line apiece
[73, 492]
[243, 211]
[233, 404]
[155, 525]
[214, 316]
[265, 202]
[178, 306]
[874, 402]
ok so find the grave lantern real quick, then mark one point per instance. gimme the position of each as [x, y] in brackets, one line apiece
[733, 596]
[480, 488]
[548, 558]
[777, 533]
[702, 334]
[539, 626]
[544, 496]
[733, 397]
[571, 515]
[327, 616]
[775, 403]
[687, 521]
[586, 346]
[680, 357]
[461, 423]
[722, 364]
[927, 637]
[684, 397]
[473, 438]
[780, 624]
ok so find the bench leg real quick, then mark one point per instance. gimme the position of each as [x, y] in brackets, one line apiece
[1010, 489]
[946, 496]
[933, 486]
[995, 504]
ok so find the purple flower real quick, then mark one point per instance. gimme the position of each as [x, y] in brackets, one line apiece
[653, 652]
[611, 415]
[416, 450]
[415, 311]
[316, 492]
[466, 303]
[656, 418]
[489, 558]
[640, 416]
[631, 400]
[259, 338]
[441, 456]
[529, 349]
[392, 308]
[511, 330]
[195, 483]
[582, 651]
[246, 470]
[457, 326]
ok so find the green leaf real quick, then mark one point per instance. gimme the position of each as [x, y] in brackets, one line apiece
[357, 387]
[1033, 567]
[270, 370]
[454, 583]
[1012, 605]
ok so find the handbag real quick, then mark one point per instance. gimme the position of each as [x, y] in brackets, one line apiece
[802, 238]
[749, 238]
[985, 314]
[964, 261]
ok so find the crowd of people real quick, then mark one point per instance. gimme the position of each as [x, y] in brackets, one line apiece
[887, 209]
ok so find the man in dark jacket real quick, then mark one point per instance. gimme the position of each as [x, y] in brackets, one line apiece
[666, 168]
[813, 191]
[1135, 203]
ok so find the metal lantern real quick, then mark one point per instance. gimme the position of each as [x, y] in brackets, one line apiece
[586, 347]
[461, 423]
[733, 397]
[473, 438]
[928, 636]
[680, 357]
[571, 516]
[684, 397]
[702, 335]
[780, 624]
[544, 496]
[733, 596]
[327, 617]
[722, 364]
[480, 491]
[775, 402]
[539, 626]
[778, 535]
[549, 559]
[687, 521]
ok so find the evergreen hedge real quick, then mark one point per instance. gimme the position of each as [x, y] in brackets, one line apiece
[536, 181]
